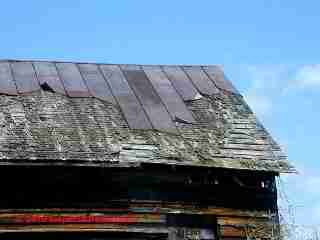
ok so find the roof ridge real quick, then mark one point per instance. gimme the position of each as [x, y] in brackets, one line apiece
[104, 63]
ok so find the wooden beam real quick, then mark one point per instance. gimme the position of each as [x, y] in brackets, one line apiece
[78, 218]
[151, 208]
[82, 228]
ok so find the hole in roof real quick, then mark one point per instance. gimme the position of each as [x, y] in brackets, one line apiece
[46, 87]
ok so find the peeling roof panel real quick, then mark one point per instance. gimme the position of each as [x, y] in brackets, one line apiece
[72, 80]
[201, 80]
[218, 77]
[181, 82]
[96, 83]
[25, 77]
[7, 85]
[47, 73]
[168, 94]
[150, 100]
[126, 98]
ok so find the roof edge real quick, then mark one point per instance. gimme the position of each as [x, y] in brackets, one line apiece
[104, 63]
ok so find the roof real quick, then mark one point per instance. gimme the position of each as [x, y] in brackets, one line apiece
[85, 114]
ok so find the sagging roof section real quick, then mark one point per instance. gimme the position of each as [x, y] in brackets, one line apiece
[95, 114]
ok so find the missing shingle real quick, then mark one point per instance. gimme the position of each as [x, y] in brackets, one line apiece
[46, 87]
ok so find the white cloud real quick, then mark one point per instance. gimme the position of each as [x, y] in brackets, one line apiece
[261, 105]
[308, 76]
[266, 82]
[316, 211]
[267, 76]
[311, 186]
[270, 83]
[299, 195]
[267, 96]
[305, 77]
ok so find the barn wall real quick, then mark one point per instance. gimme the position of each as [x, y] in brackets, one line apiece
[183, 203]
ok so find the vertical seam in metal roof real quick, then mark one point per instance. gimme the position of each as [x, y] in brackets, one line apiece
[156, 92]
[104, 78]
[111, 91]
[173, 120]
[13, 77]
[147, 116]
[205, 72]
[83, 79]
[235, 92]
[116, 100]
[164, 72]
[167, 76]
[182, 68]
[59, 76]
[90, 82]
[36, 74]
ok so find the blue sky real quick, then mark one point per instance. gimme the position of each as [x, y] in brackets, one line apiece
[269, 49]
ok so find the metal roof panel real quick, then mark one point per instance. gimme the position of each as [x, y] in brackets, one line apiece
[47, 73]
[96, 83]
[168, 94]
[201, 80]
[129, 104]
[72, 80]
[7, 85]
[218, 77]
[25, 77]
[181, 82]
[151, 102]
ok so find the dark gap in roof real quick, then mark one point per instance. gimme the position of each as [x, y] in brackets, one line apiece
[42, 118]
[179, 120]
[197, 97]
[46, 87]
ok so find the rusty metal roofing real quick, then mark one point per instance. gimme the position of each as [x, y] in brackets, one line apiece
[102, 113]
